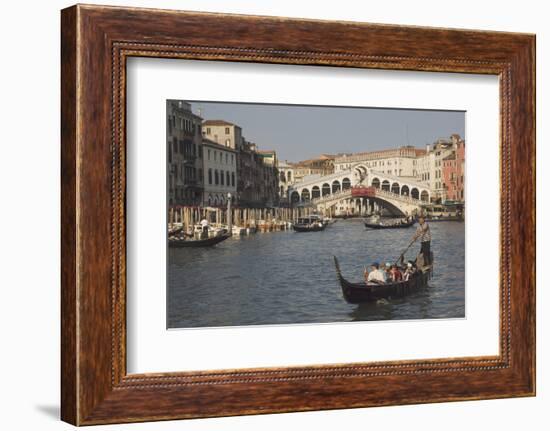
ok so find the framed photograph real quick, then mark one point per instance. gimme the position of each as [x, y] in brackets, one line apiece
[265, 215]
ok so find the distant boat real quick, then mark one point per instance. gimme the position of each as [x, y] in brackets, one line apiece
[309, 224]
[207, 242]
[357, 293]
[456, 218]
[396, 225]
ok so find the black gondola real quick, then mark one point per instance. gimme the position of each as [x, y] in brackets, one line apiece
[309, 224]
[398, 225]
[357, 293]
[207, 242]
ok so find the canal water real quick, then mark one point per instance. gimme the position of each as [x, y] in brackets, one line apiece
[288, 277]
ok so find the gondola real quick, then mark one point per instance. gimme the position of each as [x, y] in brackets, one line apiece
[207, 242]
[357, 293]
[398, 225]
[312, 223]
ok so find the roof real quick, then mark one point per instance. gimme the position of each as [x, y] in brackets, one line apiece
[217, 123]
[209, 142]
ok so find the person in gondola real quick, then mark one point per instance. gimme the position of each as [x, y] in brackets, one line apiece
[396, 274]
[423, 233]
[376, 275]
[409, 271]
[204, 228]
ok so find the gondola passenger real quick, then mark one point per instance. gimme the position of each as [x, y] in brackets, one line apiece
[396, 273]
[409, 271]
[376, 275]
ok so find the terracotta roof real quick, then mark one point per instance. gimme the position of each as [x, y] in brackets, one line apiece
[217, 123]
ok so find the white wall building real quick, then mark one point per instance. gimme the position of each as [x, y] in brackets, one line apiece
[220, 173]
[223, 132]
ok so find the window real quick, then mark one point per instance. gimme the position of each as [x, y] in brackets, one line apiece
[232, 159]
[227, 142]
[227, 130]
[208, 130]
[209, 176]
[208, 154]
[215, 155]
[233, 179]
[216, 177]
[227, 178]
[222, 179]
[200, 151]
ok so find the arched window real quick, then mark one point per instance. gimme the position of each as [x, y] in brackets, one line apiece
[405, 191]
[216, 177]
[424, 196]
[233, 179]
[326, 189]
[335, 186]
[305, 195]
[415, 194]
[222, 178]
[227, 178]
[386, 185]
[210, 176]
[375, 183]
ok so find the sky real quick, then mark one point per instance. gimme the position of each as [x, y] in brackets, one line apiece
[300, 132]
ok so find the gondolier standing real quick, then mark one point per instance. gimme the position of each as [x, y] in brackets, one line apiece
[423, 232]
[204, 227]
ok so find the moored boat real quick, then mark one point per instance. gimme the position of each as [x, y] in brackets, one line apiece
[206, 242]
[357, 293]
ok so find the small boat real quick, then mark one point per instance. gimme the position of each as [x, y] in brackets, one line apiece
[309, 224]
[357, 293]
[206, 242]
[397, 225]
[456, 218]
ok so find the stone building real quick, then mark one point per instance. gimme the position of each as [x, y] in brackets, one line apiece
[223, 132]
[220, 173]
[399, 162]
[453, 171]
[258, 176]
[184, 148]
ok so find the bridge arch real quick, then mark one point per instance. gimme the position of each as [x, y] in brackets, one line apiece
[405, 190]
[305, 195]
[346, 183]
[375, 183]
[386, 185]
[295, 197]
[425, 196]
[395, 188]
[325, 190]
[415, 194]
[336, 186]
[315, 192]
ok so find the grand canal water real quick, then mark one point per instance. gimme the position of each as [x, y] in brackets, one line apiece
[287, 277]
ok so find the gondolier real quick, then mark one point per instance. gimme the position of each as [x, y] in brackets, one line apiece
[423, 232]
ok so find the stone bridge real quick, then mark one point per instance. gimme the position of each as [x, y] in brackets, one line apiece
[399, 195]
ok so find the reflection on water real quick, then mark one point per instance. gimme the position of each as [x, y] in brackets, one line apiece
[287, 277]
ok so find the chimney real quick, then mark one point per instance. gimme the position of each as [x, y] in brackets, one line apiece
[427, 148]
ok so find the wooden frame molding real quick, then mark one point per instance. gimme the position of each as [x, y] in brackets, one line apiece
[96, 42]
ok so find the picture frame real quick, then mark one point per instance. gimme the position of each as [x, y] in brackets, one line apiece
[96, 41]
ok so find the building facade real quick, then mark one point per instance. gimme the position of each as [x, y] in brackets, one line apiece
[223, 132]
[185, 154]
[399, 162]
[258, 176]
[453, 171]
[220, 174]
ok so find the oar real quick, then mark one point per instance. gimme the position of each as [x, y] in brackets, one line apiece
[404, 251]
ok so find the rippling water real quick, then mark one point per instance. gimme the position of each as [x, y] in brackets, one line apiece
[287, 277]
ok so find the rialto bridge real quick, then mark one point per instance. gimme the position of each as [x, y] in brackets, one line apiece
[360, 190]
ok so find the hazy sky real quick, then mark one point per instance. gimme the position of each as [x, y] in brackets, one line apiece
[299, 132]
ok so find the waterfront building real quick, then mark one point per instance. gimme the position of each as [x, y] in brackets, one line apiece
[286, 179]
[184, 148]
[220, 173]
[258, 176]
[223, 132]
[430, 166]
[453, 171]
